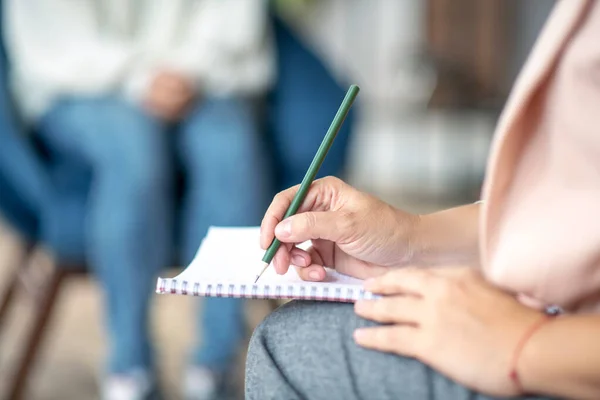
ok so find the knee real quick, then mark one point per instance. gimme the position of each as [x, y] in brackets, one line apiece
[221, 141]
[309, 321]
[135, 148]
[219, 128]
[224, 112]
[264, 336]
[117, 139]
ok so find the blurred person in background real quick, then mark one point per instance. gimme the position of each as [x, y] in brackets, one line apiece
[106, 82]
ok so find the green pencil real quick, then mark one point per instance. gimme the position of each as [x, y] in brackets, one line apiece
[334, 128]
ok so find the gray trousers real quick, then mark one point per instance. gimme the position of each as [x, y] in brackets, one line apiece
[305, 350]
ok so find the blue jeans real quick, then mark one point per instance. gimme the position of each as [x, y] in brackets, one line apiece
[130, 207]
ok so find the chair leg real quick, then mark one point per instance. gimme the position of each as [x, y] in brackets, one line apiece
[36, 333]
[9, 293]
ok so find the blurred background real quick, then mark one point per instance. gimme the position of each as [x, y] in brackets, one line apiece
[434, 75]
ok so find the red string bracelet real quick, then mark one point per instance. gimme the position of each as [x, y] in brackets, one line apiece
[513, 374]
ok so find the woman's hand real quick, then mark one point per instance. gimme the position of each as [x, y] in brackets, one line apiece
[355, 232]
[362, 236]
[170, 96]
[450, 319]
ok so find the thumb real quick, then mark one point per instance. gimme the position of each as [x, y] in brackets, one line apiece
[328, 225]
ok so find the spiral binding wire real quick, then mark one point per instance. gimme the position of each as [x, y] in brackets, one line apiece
[255, 291]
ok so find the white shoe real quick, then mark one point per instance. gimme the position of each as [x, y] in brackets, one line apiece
[200, 383]
[134, 385]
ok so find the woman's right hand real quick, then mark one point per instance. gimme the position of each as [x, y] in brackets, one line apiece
[354, 232]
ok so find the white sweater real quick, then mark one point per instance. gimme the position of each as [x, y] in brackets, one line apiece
[94, 47]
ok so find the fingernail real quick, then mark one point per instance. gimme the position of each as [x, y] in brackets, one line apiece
[298, 260]
[358, 334]
[284, 229]
[314, 275]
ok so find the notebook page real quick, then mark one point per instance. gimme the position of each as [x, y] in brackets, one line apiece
[233, 255]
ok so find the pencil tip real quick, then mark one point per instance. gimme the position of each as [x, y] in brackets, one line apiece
[264, 267]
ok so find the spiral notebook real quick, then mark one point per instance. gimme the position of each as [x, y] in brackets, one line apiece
[228, 261]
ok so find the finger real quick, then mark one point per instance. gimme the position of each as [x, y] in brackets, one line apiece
[277, 209]
[315, 270]
[398, 339]
[320, 197]
[312, 273]
[415, 281]
[281, 260]
[163, 107]
[173, 114]
[335, 226]
[300, 258]
[322, 252]
[395, 309]
[310, 256]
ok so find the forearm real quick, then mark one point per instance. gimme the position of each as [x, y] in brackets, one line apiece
[448, 237]
[563, 359]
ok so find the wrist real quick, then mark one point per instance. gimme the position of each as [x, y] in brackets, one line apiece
[406, 232]
[531, 366]
[447, 237]
[424, 249]
[525, 352]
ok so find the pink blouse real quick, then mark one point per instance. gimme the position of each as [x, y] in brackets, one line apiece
[540, 226]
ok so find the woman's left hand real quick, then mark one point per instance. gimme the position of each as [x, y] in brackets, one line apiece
[450, 319]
